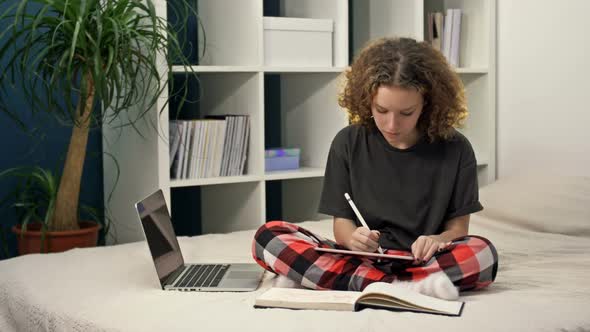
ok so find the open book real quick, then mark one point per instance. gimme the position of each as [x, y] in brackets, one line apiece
[378, 295]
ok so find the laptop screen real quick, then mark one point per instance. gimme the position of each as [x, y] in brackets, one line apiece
[160, 236]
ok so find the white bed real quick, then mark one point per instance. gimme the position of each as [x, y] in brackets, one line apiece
[541, 229]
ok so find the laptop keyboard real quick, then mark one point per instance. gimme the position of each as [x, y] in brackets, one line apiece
[203, 275]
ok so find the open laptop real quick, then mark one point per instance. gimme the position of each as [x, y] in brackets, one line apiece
[173, 273]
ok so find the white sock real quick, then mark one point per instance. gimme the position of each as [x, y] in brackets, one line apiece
[284, 282]
[436, 285]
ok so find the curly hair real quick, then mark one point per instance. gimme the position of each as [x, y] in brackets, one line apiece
[406, 63]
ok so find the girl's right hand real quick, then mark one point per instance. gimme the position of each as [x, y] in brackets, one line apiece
[363, 239]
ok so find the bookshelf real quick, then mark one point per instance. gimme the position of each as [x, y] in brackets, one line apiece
[288, 106]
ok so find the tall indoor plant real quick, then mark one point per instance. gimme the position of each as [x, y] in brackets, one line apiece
[87, 62]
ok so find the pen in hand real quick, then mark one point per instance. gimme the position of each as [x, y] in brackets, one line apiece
[359, 216]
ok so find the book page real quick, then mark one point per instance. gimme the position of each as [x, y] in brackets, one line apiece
[294, 298]
[404, 296]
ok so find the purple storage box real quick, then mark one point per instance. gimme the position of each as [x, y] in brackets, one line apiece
[281, 163]
[279, 159]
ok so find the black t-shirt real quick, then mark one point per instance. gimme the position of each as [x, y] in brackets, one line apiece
[403, 193]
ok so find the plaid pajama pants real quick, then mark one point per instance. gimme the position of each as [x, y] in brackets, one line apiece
[287, 249]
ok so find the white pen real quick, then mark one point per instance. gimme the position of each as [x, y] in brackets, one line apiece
[358, 215]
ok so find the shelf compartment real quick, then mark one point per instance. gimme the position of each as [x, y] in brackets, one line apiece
[474, 50]
[310, 115]
[232, 207]
[377, 18]
[232, 31]
[229, 93]
[294, 200]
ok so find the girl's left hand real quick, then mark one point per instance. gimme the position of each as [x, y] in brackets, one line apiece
[425, 246]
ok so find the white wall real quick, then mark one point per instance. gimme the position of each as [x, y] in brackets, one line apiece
[543, 86]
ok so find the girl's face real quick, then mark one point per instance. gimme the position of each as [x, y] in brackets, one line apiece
[396, 112]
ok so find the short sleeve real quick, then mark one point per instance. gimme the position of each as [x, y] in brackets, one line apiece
[465, 196]
[336, 180]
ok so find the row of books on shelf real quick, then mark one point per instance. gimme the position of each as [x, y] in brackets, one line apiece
[444, 33]
[210, 147]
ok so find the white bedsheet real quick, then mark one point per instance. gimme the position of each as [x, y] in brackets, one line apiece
[542, 285]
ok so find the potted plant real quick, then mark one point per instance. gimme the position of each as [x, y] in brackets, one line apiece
[87, 62]
[33, 198]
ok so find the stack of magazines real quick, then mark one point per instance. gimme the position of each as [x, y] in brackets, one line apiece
[444, 34]
[210, 147]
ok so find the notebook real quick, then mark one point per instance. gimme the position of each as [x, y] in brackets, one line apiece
[378, 295]
[403, 255]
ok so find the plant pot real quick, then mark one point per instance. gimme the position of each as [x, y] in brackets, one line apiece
[56, 241]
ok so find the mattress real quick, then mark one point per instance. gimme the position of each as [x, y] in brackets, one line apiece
[542, 282]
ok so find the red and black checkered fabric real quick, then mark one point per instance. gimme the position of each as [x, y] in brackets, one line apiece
[288, 249]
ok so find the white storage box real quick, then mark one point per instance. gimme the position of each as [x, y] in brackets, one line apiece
[300, 42]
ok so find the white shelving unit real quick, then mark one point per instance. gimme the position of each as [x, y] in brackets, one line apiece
[232, 76]
[379, 18]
